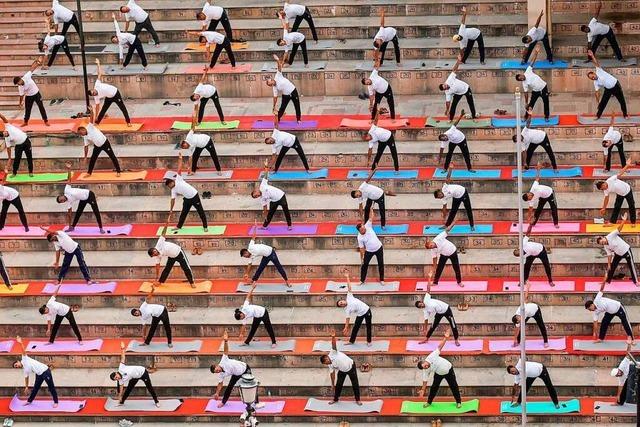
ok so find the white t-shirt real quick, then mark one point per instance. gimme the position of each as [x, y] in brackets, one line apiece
[531, 248]
[369, 240]
[196, 140]
[212, 12]
[213, 37]
[56, 308]
[340, 361]
[282, 139]
[16, 135]
[30, 88]
[386, 34]
[370, 192]
[615, 244]
[539, 191]
[149, 311]
[51, 41]
[532, 81]
[456, 87]
[291, 38]
[596, 29]
[355, 307]
[258, 250]
[104, 91]
[166, 249]
[60, 13]
[624, 367]
[530, 310]
[532, 370]
[292, 10]
[604, 305]
[452, 191]
[532, 136]
[616, 186]
[536, 34]
[8, 193]
[467, 34]
[437, 365]
[129, 373]
[65, 243]
[443, 246]
[205, 90]
[378, 84]
[183, 188]
[74, 195]
[283, 85]
[604, 80]
[378, 134]
[433, 306]
[251, 310]
[613, 136]
[30, 366]
[269, 193]
[94, 136]
[231, 367]
[135, 13]
[454, 136]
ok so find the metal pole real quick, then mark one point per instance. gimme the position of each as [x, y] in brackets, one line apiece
[82, 52]
[523, 354]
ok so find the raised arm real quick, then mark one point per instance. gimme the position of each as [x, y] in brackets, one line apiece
[460, 117]
[376, 116]
[449, 173]
[179, 164]
[334, 344]
[204, 75]
[538, 167]
[382, 18]
[123, 355]
[166, 224]
[626, 167]
[536, 51]
[23, 350]
[250, 294]
[444, 340]
[539, 19]
[194, 116]
[36, 63]
[370, 177]
[278, 62]
[457, 64]
[348, 283]
[463, 20]
[624, 221]
[98, 69]
[593, 58]
[529, 115]
[598, 9]
[613, 118]
[225, 340]
[3, 118]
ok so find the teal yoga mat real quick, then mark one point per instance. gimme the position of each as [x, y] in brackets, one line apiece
[566, 407]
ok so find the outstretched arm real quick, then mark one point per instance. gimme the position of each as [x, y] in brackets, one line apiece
[204, 75]
[123, 356]
[536, 51]
[457, 64]
[613, 118]
[538, 167]
[250, 294]
[279, 62]
[225, 339]
[449, 173]
[194, 116]
[444, 340]
[598, 9]
[36, 63]
[626, 167]
[23, 350]
[370, 177]
[334, 345]
[593, 58]
[539, 19]
[460, 117]
[463, 20]
[3, 118]
[98, 69]
[624, 221]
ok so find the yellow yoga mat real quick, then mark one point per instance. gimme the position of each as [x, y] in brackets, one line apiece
[177, 288]
[111, 176]
[18, 289]
[119, 127]
[202, 48]
[601, 228]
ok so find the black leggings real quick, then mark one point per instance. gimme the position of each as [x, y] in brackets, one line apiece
[232, 382]
[216, 102]
[464, 149]
[186, 207]
[226, 45]
[283, 151]
[265, 261]
[93, 202]
[3, 272]
[540, 322]
[450, 377]
[164, 318]
[388, 94]
[198, 151]
[546, 145]
[307, 17]
[628, 257]
[391, 143]
[544, 94]
[617, 206]
[455, 205]
[623, 159]
[547, 49]
[454, 263]
[106, 147]
[136, 46]
[469, 48]
[544, 376]
[552, 205]
[294, 50]
[618, 93]
[355, 384]
[381, 210]
[544, 258]
[396, 49]
[147, 382]
[295, 98]
[608, 317]
[611, 37]
[58, 321]
[28, 105]
[622, 398]
[146, 25]
[65, 47]
[117, 99]
[184, 264]
[456, 99]
[73, 21]
[18, 205]
[267, 325]
[20, 149]
[224, 20]
[366, 318]
[379, 254]
[273, 207]
[452, 321]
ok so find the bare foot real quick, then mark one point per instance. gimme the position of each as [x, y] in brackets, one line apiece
[552, 284]
[274, 345]
[333, 402]
[457, 343]
[546, 345]
[24, 124]
[157, 404]
[129, 125]
[118, 174]
[55, 405]
[102, 231]
[358, 403]
[170, 345]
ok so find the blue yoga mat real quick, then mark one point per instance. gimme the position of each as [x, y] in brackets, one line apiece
[462, 174]
[298, 175]
[549, 173]
[514, 64]
[389, 229]
[566, 407]
[384, 174]
[498, 122]
[430, 230]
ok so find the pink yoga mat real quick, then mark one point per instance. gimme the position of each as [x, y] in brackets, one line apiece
[6, 346]
[452, 286]
[41, 405]
[532, 345]
[541, 286]
[64, 346]
[219, 68]
[237, 407]
[614, 286]
[274, 230]
[80, 288]
[548, 227]
[466, 346]
[18, 231]
[88, 231]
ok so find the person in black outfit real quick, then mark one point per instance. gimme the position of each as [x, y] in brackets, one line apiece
[434, 363]
[5, 194]
[42, 374]
[194, 143]
[593, 42]
[519, 370]
[530, 42]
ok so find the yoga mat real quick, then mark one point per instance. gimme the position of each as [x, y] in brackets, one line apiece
[18, 289]
[344, 229]
[321, 44]
[602, 172]
[6, 346]
[366, 123]
[65, 127]
[286, 124]
[64, 346]
[604, 121]
[237, 408]
[232, 124]
[550, 173]
[537, 344]
[136, 70]
[604, 63]
[207, 175]
[218, 69]
[146, 405]
[202, 47]
[18, 231]
[270, 67]
[390, 65]
[80, 288]
[160, 346]
[317, 405]
[444, 123]
[194, 230]
[41, 405]
[514, 64]
[626, 286]
[611, 408]
[541, 286]
[87, 231]
[37, 177]
[276, 288]
[367, 287]
[265, 346]
[283, 229]
[501, 122]
[384, 174]
[359, 346]
[119, 127]
[446, 408]
[606, 229]
[466, 346]
[113, 48]
[566, 407]
[452, 286]
[170, 288]
[465, 174]
[604, 346]
[434, 230]
[299, 175]
[549, 227]
[111, 176]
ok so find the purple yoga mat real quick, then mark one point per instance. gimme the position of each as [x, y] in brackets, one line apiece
[452, 286]
[532, 345]
[80, 288]
[276, 230]
[64, 346]
[6, 346]
[87, 231]
[17, 405]
[18, 231]
[237, 407]
[541, 286]
[286, 124]
[614, 286]
[466, 346]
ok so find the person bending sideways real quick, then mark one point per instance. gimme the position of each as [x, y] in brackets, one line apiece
[271, 198]
[283, 87]
[453, 137]
[368, 194]
[454, 90]
[281, 142]
[531, 140]
[538, 87]
[382, 39]
[345, 367]
[174, 253]
[82, 197]
[11, 197]
[623, 192]
[617, 250]
[531, 311]
[458, 196]
[361, 311]
[153, 314]
[437, 369]
[542, 194]
[190, 197]
[438, 309]
[622, 374]
[30, 94]
[56, 312]
[534, 35]
[610, 86]
[255, 314]
[531, 370]
[263, 253]
[613, 138]
[127, 376]
[378, 88]
[443, 250]
[533, 250]
[382, 138]
[597, 31]
[467, 37]
[196, 143]
[297, 13]
[93, 136]
[58, 14]
[369, 245]
[42, 374]
[610, 308]
[65, 244]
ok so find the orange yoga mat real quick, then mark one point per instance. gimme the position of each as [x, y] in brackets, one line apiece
[219, 68]
[201, 47]
[111, 176]
[59, 127]
[119, 127]
[366, 124]
[177, 288]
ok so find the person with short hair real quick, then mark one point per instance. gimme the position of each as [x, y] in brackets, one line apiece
[367, 194]
[16, 137]
[190, 197]
[531, 370]
[50, 44]
[174, 253]
[610, 308]
[617, 250]
[203, 93]
[196, 143]
[438, 309]
[256, 314]
[297, 13]
[609, 84]
[443, 250]
[531, 251]
[56, 312]
[110, 94]
[437, 369]
[622, 375]
[212, 15]
[282, 86]
[454, 90]
[82, 197]
[281, 142]
[93, 136]
[208, 38]
[132, 42]
[339, 362]
[458, 196]
[361, 311]
[142, 19]
[531, 311]
[378, 88]
[623, 192]
[271, 198]
[382, 138]
[153, 314]
[467, 37]
[227, 367]
[63, 243]
[127, 376]
[369, 245]
[597, 31]
[534, 35]
[11, 197]
[30, 94]
[613, 138]
[542, 194]
[263, 253]
[539, 88]
[292, 40]
[382, 39]
[452, 138]
[58, 14]
[531, 140]
[41, 371]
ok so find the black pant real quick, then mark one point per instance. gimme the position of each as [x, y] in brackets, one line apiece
[273, 207]
[456, 99]
[283, 151]
[20, 149]
[216, 101]
[608, 317]
[147, 382]
[66, 263]
[65, 47]
[618, 93]
[396, 49]
[546, 145]
[212, 151]
[552, 204]
[184, 264]
[164, 318]
[47, 378]
[73, 21]
[547, 49]
[146, 25]
[93, 202]
[307, 17]
[226, 45]
[622, 398]
[117, 99]
[455, 205]
[631, 203]
[356, 326]
[540, 321]
[353, 376]
[464, 149]
[295, 98]
[18, 205]
[388, 94]
[381, 210]
[623, 159]
[611, 36]
[232, 382]
[106, 147]
[28, 105]
[544, 258]
[454, 263]
[58, 321]
[436, 321]
[391, 143]
[379, 254]
[186, 207]
[267, 325]
[544, 94]
[450, 377]
[544, 376]
[630, 262]
[294, 50]
[224, 19]
[3, 272]
[136, 46]
[469, 47]
[263, 264]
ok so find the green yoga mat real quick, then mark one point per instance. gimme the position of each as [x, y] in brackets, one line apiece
[409, 407]
[37, 177]
[206, 125]
[195, 230]
[541, 407]
[464, 123]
